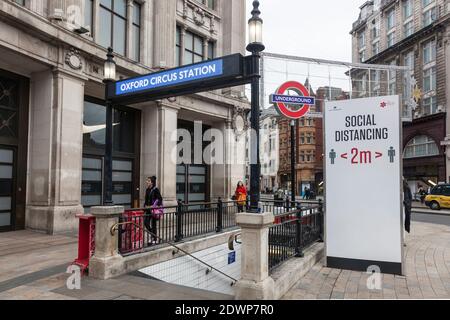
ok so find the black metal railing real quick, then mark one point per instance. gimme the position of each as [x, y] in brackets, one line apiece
[177, 223]
[280, 207]
[293, 232]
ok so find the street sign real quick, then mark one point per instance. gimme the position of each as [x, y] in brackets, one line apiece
[314, 115]
[232, 257]
[284, 103]
[363, 184]
[231, 70]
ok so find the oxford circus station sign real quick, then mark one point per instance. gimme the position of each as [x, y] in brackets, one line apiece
[292, 106]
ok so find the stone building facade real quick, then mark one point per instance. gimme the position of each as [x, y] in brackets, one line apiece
[414, 33]
[52, 104]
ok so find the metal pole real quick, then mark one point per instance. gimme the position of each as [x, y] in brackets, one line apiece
[293, 158]
[255, 166]
[107, 175]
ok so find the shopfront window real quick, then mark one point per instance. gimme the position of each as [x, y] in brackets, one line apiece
[125, 155]
[421, 146]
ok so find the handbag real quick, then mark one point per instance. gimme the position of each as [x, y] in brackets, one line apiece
[157, 210]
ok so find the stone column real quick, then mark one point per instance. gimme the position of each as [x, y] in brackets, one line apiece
[234, 26]
[205, 48]
[106, 262]
[255, 283]
[182, 44]
[164, 33]
[146, 34]
[56, 140]
[96, 21]
[168, 124]
[129, 45]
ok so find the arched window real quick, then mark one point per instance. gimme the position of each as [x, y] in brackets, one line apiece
[421, 146]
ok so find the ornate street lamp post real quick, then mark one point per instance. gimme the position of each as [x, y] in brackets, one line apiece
[255, 46]
[109, 76]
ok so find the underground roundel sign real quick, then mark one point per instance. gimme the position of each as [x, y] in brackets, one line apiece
[292, 106]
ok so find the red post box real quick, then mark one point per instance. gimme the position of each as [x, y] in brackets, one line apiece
[86, 240]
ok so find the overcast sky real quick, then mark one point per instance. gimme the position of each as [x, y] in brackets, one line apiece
[317, 28]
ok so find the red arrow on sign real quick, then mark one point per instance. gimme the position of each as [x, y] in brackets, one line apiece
[378, 155]
[344, 156]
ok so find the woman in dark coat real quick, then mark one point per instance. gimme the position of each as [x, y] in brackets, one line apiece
[152, 198]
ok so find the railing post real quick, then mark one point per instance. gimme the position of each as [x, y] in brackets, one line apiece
[219, 226]
[298, 234]
[255, 282]
[106, 261]
[179, 222]
[288, 205]
[321, 221]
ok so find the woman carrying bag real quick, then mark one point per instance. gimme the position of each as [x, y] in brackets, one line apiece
[154, 201]
[240, 196]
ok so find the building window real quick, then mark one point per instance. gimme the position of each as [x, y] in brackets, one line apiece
[429, 52]
[409, 60]
[193, 48]
[429, 106]
[392, 78]
[361, 40]
[88, 14]
[429, 16]
[429, 79]
[209, 3]
[113, 24]
[408, 9]
[390, 19]
[136, 32]
[21, 2]
[421, 146]
[376, 48]
[178, 47]
[211, 50]
[425, 3]
[362, 56]
[409, 28]
[375, 30]
[391, 39]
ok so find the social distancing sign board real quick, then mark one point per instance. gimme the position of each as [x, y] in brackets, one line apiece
[363, 184]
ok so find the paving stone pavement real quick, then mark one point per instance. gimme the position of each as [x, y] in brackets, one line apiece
[427, 273]
[33, 267]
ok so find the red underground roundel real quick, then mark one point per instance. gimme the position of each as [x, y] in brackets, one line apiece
[284, 102]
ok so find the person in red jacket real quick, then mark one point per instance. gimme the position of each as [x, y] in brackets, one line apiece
[241, 196]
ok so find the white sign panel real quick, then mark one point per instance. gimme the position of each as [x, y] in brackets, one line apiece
[363, 184]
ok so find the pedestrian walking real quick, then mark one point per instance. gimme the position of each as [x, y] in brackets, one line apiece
[422, 194]
[154, 201]
[240, 196]
[407, 202]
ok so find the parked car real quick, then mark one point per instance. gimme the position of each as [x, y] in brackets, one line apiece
[439, 197]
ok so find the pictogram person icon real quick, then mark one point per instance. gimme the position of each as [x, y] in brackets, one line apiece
[391, 154]
[332, 156]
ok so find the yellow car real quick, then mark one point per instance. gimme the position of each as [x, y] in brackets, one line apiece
[439, 197]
